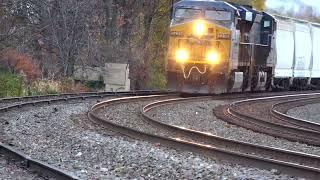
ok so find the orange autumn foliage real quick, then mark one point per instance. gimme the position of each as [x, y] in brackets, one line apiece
[19, 63]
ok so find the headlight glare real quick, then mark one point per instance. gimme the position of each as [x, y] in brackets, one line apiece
[199, 28]
[213, 57]
[182, 55]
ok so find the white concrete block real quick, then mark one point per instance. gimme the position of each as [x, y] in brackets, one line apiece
[116, 74]
[116, 77]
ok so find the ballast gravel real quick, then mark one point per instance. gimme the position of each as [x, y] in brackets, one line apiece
[61, 136]
[199, 116]
[308, 112]
[12, 170]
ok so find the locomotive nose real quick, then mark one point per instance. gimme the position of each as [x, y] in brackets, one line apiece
[212, 57]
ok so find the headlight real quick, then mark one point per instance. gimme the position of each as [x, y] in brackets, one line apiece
[199, 28]
[182, 55]
[213, 58]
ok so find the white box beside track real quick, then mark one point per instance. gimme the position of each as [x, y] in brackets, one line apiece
[116, 77]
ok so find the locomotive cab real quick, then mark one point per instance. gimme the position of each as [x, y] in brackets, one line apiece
[199, 46]
[216, 47]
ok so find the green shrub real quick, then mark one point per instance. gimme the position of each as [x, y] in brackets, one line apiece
[158, 75]
[11, 85]
[94, 85]
[43, 87]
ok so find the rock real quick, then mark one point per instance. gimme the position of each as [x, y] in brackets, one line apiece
[275, 171]
[55, 110]
[104, 169]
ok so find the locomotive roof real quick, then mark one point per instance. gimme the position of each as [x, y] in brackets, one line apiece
[216, 5]
[212, 4]
[239, 10]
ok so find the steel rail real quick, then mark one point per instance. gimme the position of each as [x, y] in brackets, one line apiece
[211, 150]
[25, 98]
[45, 99]
[294, 122]
[273, 129]
[40, 167]
[217, 141]
[278, 112]
[278, 129]
[129, 93]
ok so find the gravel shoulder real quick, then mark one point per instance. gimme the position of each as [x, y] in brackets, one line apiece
[62, 136]
[309, 112]
[11, 170]
[199, 116]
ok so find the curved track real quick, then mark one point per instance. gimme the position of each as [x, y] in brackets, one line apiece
[43, 169]
[266, 119]
[298, 164]
[280, 110]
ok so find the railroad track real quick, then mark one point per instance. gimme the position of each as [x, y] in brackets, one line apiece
[280, 110]
[266, 119]
[43, 169]
[5, 102]
[293, 163]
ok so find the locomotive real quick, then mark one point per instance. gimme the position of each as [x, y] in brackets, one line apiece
[217, 47]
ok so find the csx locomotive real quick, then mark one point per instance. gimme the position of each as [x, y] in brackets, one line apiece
[217, 47]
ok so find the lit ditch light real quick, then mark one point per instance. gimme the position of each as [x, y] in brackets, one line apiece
[182, 56]
[213, 58]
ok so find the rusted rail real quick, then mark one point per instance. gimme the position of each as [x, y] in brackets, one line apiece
[268, 122]
[300, 165]
[40, 167]
[279, 110]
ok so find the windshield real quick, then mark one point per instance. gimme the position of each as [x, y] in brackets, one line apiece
[186, 14]
[223, 18]
[183, 13]
[218, 15]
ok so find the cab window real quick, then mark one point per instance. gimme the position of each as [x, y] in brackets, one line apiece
[184, 13]
[218, 15]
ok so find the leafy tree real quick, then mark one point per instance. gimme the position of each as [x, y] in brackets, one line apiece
[259, 4]
[57, 35]
[19, 63]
